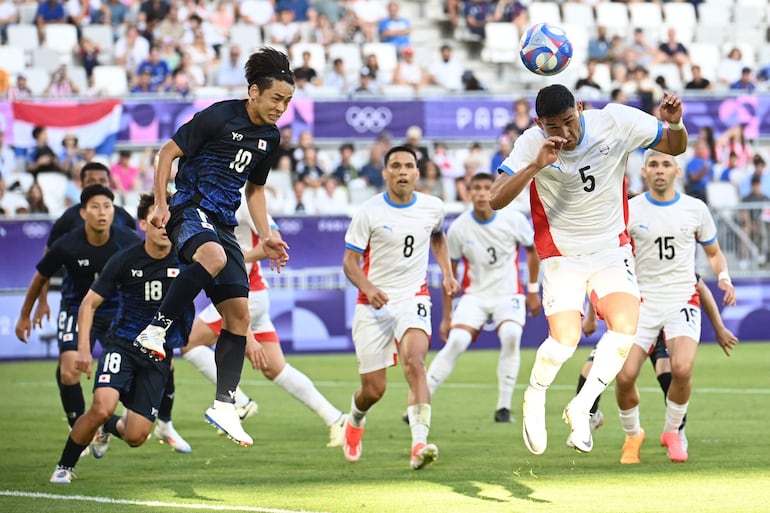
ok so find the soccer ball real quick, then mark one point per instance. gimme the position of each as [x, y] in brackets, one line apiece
[545, 49]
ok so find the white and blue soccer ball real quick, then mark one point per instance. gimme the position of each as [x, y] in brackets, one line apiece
[545, 49]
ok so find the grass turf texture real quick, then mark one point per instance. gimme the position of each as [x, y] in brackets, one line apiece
[483, 466]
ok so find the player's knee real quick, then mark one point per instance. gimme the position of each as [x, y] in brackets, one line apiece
[136, 439]
[681, 370]
[70, 375]
[510, 335]
[373, 390]
[212, 257]
[100, 413]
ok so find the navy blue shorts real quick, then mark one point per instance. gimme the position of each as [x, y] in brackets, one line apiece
[67, 330]
[189, 228]
[139, 380]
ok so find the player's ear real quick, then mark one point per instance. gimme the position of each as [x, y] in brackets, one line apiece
[579, 106]
[538, 122]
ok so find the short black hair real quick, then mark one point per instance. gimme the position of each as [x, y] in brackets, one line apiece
[396, 149]
[478, 177]
[93, 166]
[37, 131]
[553, 100]
[94, 190]
[268, 64]
[146, 201]
[347, 146]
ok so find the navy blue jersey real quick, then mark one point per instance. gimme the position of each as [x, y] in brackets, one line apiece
[71, 219]
[83, 263]
[141, 282]
[222, 148]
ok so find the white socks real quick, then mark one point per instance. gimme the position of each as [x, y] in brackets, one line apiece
[630, 420]
[550, 356]
[202, 357]
[444, 362]
[419, 422]
[357, 418]
[674, 414]
[300, 386]
[611, 353]
[508, 364]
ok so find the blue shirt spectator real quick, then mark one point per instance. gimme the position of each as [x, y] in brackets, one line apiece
[156, 67]
[50, 11]
[700, 171]
[476, 14]
[301, 8]
[395, 29]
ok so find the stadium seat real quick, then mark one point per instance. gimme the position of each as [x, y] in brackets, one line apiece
[645, 15]
[707, 56]
[78, 76]
[46, 58]
[22, 36]
[722, 194]
[350, 53]
[712, 34]
[544, 12]
[497, 44]
[216, 92]
[317, 56]
[12, 59]
[62, 37]
[27, 12]
[53, 186]
[748, 51]
[680, 14]
[246, 36]
[748, 16]
[579, 14]
[614, 16]
[37, 79]
[670, 72]
[102, 36]
[110, 80]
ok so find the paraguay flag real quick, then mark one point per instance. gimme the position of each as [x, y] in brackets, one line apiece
[95, 124]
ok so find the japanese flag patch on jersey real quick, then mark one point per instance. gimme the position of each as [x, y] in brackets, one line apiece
[262, 145]
[172, 272]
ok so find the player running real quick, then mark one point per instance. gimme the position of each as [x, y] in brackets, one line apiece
[574, 163]
[488, 243]
[392, 232]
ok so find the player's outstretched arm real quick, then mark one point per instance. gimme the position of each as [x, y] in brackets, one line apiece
[446, 310]
[163, 162]
[351, 264]
[507, 186]
[24, 324]
[719, 265]
[275, 248]
[88, 307]
[533, 301]
[440, 249]
[726, 339]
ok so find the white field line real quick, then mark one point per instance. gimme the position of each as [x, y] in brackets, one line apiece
[155, 504]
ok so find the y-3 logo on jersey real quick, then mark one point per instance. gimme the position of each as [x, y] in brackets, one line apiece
[237, 136]
[83, 262]
[137, 273]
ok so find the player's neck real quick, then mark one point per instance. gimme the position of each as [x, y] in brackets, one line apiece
[483, 214]
[663, 197]
[155, 251]
[400, 199]
[97, 237]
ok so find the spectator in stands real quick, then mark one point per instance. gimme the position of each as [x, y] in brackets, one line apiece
[510, 11]
[395, 29]
[366, 85]
[171, 26]
[345, 171]
[160, 73]
[35, 201]
[88, 54]
[640, 84]
[700, 171]
[450, 170]
[308, 169]
[48, 11]
[11, 202]
[504, 147]
[61, 85]
[20, 91]
[430, 180]
[286, 147]
[371, 62]
[731, 171]
[303, 88]
[181, 83]
[415, 143]
[706, 134]
[675, 52]
[194, 75]
[408, 72]
[331, 9]
[757, 171]
[368, 14]
[476, 14]
[586, 86]
[143, 83]
[223, 18]
[196, 8]
[131, 49]
[729, 69]
[7, 158]
[698, 82]
[111, 12]
[151, 12]
[472, 165]
[471, 82]
[76, 12]
[285, 31]
[337, 78]
[124, 175]
[306, 70]
[330, 198]
[323, 32]
[9, 15]
[71, 157]
[170, 54]
[372, 170]
[522, 119]
[230, 72]
[201, 52]
[733, 140]
[599, 46]
[301, 201]
[752, 219]
[746, 83]
[446, 72]
[302, 9]
[42, 158]
[640, 52]
[618, 96]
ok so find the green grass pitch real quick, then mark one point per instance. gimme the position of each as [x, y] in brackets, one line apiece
[483, 467]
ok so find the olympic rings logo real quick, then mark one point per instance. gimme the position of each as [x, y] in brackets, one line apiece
[368, 119]
[35, 230]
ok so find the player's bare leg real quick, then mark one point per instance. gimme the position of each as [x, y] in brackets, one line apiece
[373, 385]
[627, 396]
[682, 351]
[412, 350]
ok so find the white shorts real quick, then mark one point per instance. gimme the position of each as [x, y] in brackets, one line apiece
[475, 311]
[676, 319]
[567, 279]
[259, 311]
[376, 332]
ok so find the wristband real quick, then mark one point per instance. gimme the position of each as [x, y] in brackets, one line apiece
[724, 276]
[533, 288]
[676, 126]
